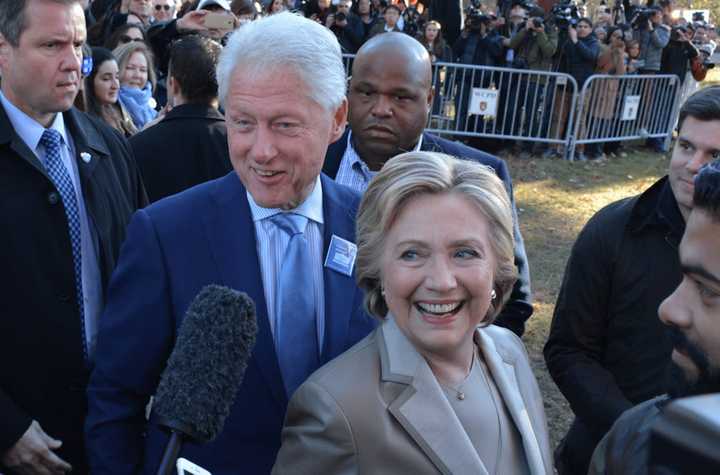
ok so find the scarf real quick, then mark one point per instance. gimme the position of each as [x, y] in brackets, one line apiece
[136, 102]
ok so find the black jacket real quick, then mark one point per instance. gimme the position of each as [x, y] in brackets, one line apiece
[42, 369]
[488, 51]
[676, 58]
[626, 447]
[351, 36]
[519, 306]
[607, 349]
[580, 59]
[188, 147]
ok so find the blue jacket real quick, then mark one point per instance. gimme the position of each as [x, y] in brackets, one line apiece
[174, 248]
[581, 58]
[652, 44]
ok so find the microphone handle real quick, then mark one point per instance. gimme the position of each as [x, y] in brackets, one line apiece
[172, 450]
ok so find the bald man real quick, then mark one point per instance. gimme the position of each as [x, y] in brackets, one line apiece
[390, 97]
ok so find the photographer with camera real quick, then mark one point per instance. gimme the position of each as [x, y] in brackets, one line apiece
[613, 61]
[580, 52]
[578, 59]
[653, 35]
[534, 43]
[534, 46]
[346, 26]
[678, 54]
[479, 45]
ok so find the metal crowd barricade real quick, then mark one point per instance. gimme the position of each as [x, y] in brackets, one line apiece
[629, 107]
[347, 62]
[500, 103]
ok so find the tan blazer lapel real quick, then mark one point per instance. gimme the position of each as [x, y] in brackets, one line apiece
[503, 372]
[422, 408]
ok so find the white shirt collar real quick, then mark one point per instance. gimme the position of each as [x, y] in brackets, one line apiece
[311, 208]
[28, 129]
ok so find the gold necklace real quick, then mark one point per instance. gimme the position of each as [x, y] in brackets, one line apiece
[459, 393]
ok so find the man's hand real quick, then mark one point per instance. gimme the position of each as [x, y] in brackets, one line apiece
[193, 21]
[33, 454]
[329, 20]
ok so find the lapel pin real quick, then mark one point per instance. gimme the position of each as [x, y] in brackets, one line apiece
[86, 157]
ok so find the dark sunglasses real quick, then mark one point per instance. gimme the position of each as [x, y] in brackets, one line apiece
[162, 7]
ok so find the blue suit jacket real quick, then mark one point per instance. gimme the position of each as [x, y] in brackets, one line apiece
[175, 247]
[519, 307]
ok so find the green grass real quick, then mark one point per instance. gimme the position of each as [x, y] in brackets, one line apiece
[555, 198]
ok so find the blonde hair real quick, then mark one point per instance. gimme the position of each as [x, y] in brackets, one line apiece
[412, 174]
[123, 53]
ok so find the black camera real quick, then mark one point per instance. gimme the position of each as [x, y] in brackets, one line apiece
[340, 16]
[698, 17]
[675, 32]
[641, 18]
[474, 19]
[565, 14]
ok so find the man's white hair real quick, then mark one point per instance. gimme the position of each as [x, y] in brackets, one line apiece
[287, 40]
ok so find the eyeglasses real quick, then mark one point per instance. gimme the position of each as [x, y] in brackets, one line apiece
[124, 39]
[162, 7]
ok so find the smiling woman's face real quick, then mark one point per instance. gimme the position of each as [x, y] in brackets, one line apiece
[135, 73]
[437, 272]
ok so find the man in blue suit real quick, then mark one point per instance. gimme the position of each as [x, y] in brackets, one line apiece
[390, 97]
[282, 111]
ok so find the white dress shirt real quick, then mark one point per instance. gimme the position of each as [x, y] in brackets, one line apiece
[272, 243]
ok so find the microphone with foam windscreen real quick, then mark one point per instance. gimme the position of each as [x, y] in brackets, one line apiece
[205, 369]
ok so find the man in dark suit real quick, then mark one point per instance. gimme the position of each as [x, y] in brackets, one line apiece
[189, 145]
[68, 185]
[282, 112]
[390, 98]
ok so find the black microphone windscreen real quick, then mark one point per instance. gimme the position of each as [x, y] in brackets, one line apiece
[207, 365]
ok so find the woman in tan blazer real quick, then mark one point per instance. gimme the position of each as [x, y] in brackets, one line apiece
[436, 388]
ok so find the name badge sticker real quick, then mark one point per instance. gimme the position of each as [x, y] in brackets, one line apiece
[341, 255]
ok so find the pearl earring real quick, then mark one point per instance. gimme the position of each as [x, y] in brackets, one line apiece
[493, 294]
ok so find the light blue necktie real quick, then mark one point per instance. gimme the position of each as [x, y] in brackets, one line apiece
[60, 177]
[296, 330]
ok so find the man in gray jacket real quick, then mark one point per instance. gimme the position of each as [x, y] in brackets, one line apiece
[653, 38]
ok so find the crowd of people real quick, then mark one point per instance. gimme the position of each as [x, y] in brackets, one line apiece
[386, 264]
[615, 40]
